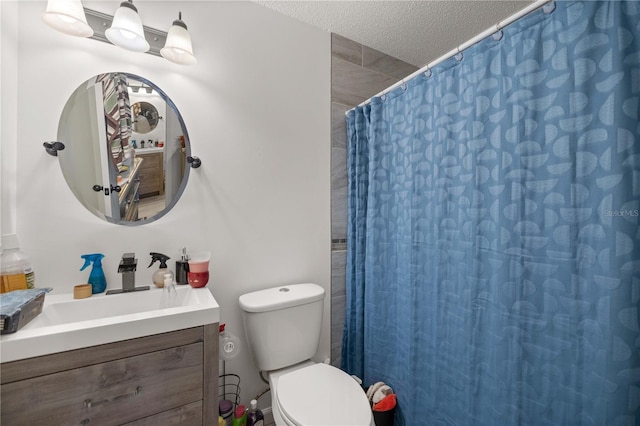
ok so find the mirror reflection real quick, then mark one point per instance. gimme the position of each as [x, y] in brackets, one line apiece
[126, 148]
[145, 117]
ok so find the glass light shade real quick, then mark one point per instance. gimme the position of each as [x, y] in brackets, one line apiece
[126, 29]
[68, 17]
[178, 48]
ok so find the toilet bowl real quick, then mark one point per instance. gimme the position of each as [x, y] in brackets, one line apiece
[311, 394]
[283, 325]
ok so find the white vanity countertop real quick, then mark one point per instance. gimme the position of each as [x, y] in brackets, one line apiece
[149, 150]
[67, 323]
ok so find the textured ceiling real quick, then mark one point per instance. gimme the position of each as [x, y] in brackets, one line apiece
[415, 31]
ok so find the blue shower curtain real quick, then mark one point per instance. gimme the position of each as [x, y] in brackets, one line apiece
[493, 264]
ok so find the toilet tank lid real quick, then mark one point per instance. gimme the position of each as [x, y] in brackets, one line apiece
[281, 297]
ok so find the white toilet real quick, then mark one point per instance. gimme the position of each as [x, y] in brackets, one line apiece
[283, 326]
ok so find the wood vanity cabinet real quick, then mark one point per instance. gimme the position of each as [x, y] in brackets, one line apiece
[151, 174]
[164, 379]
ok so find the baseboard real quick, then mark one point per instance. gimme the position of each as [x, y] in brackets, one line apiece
[268, 417]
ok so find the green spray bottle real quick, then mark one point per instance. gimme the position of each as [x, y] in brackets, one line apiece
[96, 277]
[240, 416]
[158, 276]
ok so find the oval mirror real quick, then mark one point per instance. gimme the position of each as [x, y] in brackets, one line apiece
[121, 169]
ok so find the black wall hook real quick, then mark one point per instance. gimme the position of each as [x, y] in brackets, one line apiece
[194, 161]
[52, 148]
[99, 188]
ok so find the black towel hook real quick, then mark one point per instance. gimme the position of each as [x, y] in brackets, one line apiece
[53, 147]
[107, 191]
[194, 161]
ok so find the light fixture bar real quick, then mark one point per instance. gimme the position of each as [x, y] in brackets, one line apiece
[100, 22]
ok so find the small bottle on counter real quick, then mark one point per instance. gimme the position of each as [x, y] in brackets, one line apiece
[159, 275]
[16, 272]
[97, 278]
[169, 293]
[182, 268]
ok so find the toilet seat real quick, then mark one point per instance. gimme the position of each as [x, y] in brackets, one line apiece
[320, 394]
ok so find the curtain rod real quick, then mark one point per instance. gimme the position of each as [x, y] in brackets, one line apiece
[486, 33]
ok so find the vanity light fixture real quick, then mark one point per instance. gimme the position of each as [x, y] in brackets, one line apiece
[126, 29]
[136, 89]
[178, 46]
[68, 17]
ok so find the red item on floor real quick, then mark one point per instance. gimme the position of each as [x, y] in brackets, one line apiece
[386, 403]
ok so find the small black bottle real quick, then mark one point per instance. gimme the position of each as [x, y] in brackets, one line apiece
[182, 268]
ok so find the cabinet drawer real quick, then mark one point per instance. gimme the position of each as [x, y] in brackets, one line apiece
[187, 415]
[151, 188]
[151, 174]
[151, 161]
[110, 393]
[151, 182]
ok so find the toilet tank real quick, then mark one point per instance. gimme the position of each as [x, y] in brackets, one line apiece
[283, 324]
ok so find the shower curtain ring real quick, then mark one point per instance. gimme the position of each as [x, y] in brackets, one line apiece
[459, 55]
[498, 34]
[549, 7]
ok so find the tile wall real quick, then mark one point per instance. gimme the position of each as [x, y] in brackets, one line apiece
[357, 73]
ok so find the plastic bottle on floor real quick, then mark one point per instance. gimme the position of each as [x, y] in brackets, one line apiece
[240, 417]
[254, 416]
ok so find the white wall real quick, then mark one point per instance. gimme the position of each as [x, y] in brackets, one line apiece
[8, 114]
[256, 107]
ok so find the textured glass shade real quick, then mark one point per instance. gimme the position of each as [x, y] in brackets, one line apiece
[178, 48]
[126, 29]
[68, 17]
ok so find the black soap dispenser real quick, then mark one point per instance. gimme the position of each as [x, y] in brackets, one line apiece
[182, 268]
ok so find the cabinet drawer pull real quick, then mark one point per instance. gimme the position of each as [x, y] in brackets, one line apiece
[88, 403]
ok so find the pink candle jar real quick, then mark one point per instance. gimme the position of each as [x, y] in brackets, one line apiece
[198, 279]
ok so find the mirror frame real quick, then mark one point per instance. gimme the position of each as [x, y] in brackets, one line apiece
[64, 121]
